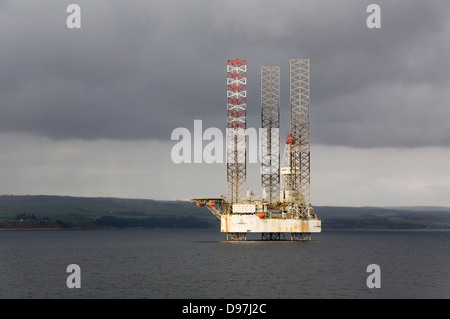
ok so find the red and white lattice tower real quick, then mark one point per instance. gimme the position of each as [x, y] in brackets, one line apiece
[236, 129]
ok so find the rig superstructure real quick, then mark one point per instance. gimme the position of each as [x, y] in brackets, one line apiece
[284, 207]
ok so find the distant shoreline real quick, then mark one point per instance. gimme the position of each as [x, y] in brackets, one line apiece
[99, 228]
[196, 228]
[47, 212]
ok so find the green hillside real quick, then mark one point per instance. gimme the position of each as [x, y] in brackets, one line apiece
[82, 212]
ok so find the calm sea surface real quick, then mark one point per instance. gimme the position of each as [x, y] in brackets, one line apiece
[191, 264]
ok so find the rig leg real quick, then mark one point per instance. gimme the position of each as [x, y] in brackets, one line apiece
[236, 236]
[301, 236]
[271, 236]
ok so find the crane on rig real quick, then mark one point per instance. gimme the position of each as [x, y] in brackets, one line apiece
[284, 207]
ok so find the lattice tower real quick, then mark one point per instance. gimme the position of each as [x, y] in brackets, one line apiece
[236, 129]
[300, 131]
[270, 139]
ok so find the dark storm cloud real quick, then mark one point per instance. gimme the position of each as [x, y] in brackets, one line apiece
[138, 70]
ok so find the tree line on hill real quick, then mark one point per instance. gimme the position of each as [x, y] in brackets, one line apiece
[105, 222]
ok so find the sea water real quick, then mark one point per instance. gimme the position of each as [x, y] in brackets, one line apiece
[200, 263]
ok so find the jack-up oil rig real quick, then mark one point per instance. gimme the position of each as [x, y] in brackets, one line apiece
[284, 207]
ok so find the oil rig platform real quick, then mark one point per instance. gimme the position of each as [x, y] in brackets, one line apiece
[284, 206]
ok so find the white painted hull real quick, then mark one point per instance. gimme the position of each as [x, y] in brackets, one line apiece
[251, 223]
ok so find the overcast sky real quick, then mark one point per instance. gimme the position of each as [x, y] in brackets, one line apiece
[90, 111]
